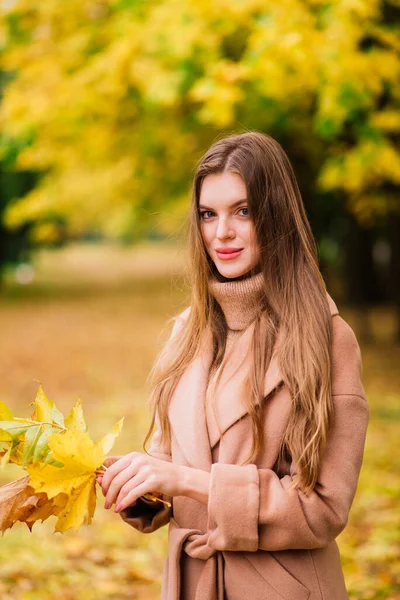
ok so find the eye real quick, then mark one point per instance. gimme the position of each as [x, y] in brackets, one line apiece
[245, 208]
[204, 212]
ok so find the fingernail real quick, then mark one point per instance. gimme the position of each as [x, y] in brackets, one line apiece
[117, 508]
[106, 505]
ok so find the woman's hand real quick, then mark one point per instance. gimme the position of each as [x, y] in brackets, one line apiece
[132, 475]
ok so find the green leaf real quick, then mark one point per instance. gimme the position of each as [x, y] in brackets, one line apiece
[15, 428]
[31, 438]
[57, 416]
[58, 464]
[41, 447]
[50, 460]
[5, 447]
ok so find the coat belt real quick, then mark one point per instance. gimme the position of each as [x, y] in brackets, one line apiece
[194, 543]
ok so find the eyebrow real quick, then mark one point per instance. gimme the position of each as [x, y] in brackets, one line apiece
[231, 206]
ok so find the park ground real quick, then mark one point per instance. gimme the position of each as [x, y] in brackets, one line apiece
[90, 324]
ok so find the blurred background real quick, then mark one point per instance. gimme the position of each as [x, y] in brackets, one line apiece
[105, 108]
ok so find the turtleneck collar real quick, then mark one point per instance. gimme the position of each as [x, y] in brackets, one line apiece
[239, 299]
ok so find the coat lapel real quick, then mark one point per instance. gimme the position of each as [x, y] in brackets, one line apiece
[187, 411]
[226, 405]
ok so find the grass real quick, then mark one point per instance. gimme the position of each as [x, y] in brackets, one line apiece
[90, 324]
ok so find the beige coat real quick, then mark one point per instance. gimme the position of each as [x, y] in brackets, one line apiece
[257, 539]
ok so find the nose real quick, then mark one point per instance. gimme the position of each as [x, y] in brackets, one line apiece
[224, 229]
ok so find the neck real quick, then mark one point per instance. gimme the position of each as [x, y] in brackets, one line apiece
[240, 299]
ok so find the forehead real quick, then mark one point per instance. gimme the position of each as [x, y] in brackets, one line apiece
[222, 188]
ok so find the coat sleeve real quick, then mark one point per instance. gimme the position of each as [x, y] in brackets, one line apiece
[251, 508]
[145, 515]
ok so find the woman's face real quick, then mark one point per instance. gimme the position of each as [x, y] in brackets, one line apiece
[226, 224]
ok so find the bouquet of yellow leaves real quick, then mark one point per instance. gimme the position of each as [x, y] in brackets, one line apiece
[62, 463]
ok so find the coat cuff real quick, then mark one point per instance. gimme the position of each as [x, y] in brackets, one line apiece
[233, 507]
[146, 516]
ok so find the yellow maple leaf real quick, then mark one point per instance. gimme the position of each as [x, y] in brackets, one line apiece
[81, 502]
[77, 478]
[62, 474]
[75, 419]
[107, 441]
[45, 410]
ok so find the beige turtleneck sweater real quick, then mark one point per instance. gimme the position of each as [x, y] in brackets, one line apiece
[240, 302]
[239, 299]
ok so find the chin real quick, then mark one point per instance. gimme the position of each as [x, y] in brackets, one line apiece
[232, 272]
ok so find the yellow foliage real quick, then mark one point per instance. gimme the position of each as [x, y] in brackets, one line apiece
[115, 102]
[81, 459]
[62, 462]
[75, 419]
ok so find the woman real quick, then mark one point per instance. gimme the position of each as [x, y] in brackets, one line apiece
[258, 403]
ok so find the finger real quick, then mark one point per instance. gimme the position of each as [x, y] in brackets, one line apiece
[110, 460]
[113, 470]
[117, 467]
[130, 485]
[118, 482]
[132, 496]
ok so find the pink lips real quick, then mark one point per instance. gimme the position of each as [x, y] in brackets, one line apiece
[228, 253]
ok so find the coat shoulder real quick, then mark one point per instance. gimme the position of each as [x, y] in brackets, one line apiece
[179, 320]
[346, 359]
[184, 314]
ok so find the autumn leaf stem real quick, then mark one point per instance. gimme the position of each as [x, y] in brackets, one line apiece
[35, 423]
[101, 470]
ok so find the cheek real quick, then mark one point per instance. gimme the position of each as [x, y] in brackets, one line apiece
[206, 234]
[252, 242]
[247, 234]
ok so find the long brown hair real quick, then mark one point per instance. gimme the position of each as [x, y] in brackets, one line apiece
[295, 299]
